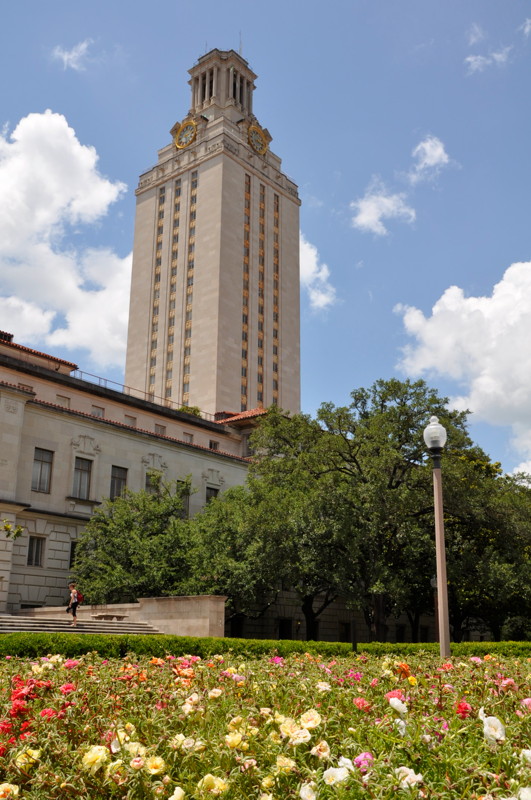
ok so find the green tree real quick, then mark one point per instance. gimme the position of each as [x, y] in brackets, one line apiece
[345, 503]
[135, 545]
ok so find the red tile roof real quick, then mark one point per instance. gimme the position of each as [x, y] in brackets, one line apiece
[7, 343]
[252, 412]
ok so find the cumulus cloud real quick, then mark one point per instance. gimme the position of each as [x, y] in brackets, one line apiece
[51, 292]
[483, 343]
[76, 58]
[430, 156]
[475, 34]
[479, 63]
[315, 276]
[378, 204]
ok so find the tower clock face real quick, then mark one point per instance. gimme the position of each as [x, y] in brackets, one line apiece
[185, 135]
[257, 139]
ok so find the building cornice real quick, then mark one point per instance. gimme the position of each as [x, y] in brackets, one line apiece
[141, 431]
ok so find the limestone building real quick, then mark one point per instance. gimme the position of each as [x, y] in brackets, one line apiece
[66, 443]
[214, 314]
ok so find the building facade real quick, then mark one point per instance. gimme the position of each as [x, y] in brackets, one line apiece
[67, 443]
[214, 314]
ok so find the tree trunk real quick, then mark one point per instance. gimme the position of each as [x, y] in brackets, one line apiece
[414, 622]
[310, 617]
[380, 625]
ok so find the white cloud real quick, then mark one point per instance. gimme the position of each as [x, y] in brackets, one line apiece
[75, 58]
[526, 27]
[480, 63]
[52, 292]
[314, 276]
[475, 34]
[378, 204]
[483, 343]
[431, 157]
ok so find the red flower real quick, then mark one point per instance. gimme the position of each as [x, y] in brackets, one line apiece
[18, 708]
[49, 713]
[395, 693]
[66, 688]
[463, 709]
[362, 704]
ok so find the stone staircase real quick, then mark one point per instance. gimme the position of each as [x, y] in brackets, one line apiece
[13, 623]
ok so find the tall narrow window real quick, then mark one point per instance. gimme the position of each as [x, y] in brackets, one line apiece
[35, 551]
[82, 473]
[118, 481]
[211, 492]
[41, 478]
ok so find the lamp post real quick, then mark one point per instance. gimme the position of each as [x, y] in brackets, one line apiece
[435, 439]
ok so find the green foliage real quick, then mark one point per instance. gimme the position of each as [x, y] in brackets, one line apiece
[194, 410]
[343, 505]
[34, 645]
[70, 645]
[135, 545]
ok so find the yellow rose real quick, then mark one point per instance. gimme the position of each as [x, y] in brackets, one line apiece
[154, 765]
[95, 758]
[310, 719]
[213, 784]
[285, 764]
[232, 740]
[8, 790]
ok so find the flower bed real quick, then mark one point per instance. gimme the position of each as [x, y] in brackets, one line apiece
[271, 728]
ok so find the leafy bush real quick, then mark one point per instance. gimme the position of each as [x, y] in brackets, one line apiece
[33, 645]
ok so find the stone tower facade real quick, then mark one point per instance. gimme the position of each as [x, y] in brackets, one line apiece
[214, 315]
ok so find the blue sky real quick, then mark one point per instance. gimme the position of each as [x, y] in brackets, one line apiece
[405, 124]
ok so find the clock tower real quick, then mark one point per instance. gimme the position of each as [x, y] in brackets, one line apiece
[214, 314]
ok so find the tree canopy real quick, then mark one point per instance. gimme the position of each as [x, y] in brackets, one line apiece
[339, 505]
[135, 545]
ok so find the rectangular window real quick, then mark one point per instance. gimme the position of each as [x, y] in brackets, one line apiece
[160, 430]
[36, 551]
[213, 445]
[185, 511]
[82, 473]
[42, 471]
[131, 421]
[188, 437]
[62, 400]
[72, 560]
[285, 628]
[152, 481]
[98, 411]
[211, 492]
[118, 481]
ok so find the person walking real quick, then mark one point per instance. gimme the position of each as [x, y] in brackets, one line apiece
[73, 603]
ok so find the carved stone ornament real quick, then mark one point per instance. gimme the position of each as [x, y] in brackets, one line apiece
[86, 444]
[154, 461]
[213, 477]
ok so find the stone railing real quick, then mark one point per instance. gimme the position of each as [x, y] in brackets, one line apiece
[201, 615]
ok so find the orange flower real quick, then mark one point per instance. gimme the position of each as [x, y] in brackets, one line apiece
[403, 669]
[157, 662]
